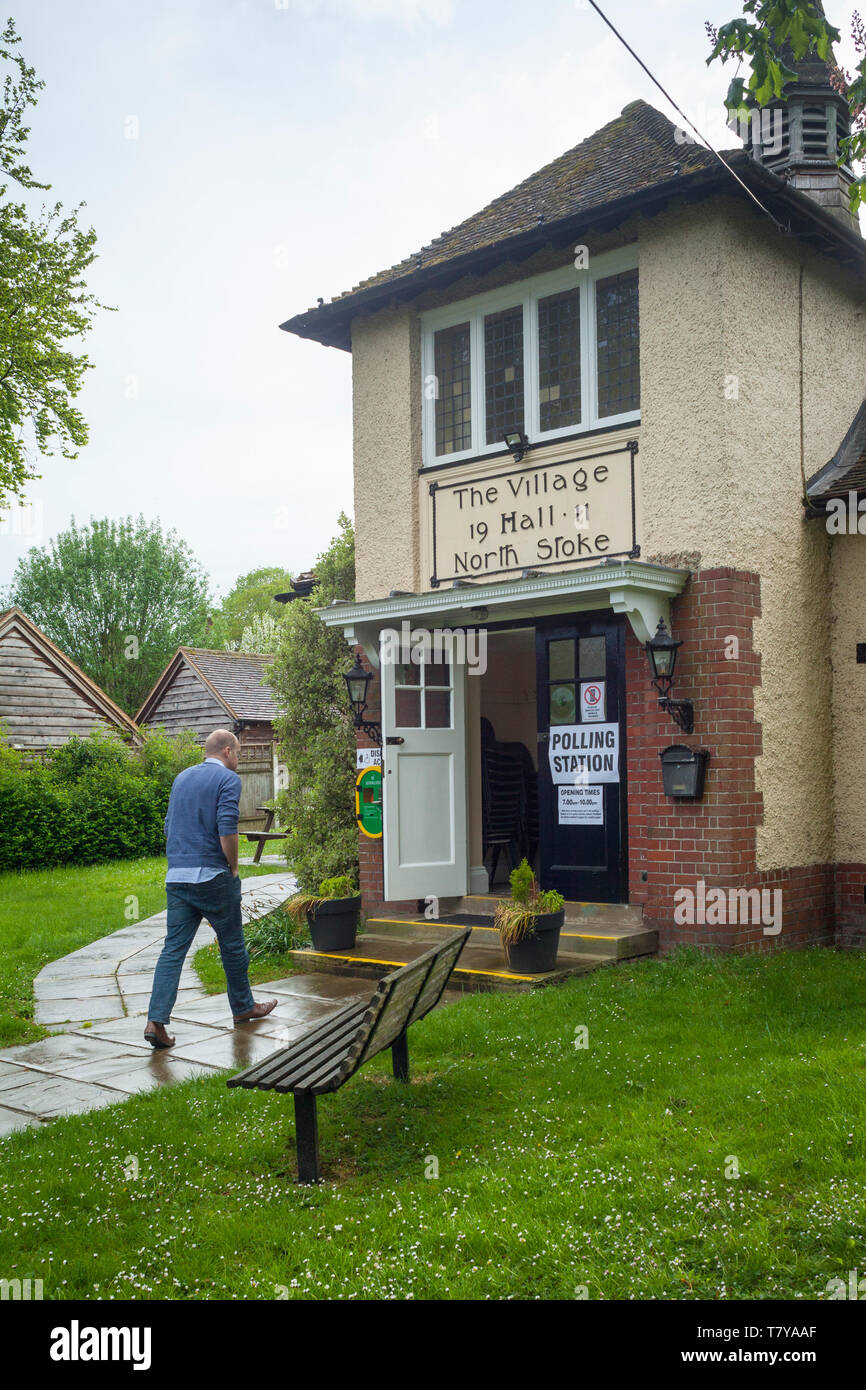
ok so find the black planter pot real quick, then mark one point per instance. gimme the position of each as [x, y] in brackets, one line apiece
[334, 923]
[536, 953]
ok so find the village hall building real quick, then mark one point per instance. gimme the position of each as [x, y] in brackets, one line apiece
[630, 391]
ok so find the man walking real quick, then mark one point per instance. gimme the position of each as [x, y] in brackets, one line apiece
[201, 830]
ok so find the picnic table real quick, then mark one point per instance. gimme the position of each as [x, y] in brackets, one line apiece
[262, 836]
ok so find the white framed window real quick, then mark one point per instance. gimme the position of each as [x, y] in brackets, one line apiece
[554, 355]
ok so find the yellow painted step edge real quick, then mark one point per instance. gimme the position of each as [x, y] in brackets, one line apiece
[404, 922]
[463, 969]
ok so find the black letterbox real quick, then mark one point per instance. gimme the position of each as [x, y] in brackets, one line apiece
[683, 771]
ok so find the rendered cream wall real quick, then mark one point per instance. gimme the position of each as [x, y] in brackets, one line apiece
[849, 695]
[386, 395]
[721, 478]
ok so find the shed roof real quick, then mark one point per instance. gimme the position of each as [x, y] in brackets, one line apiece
[16, 620]
[234, 678]
[846, 470]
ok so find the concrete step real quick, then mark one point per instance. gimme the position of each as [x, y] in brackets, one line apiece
[582, 938]
[481, 967]
[586, 915]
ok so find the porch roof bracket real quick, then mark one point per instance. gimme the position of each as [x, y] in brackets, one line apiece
[643, 608]
[364, 635]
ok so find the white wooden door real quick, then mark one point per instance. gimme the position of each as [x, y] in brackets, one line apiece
[424, 778]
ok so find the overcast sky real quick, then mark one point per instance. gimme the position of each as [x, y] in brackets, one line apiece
[240, 158]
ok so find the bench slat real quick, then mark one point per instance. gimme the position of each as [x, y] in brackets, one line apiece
[300, 1046]
[298, 1073]
[414, 982]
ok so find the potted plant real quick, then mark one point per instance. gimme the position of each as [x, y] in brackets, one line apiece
[332, 913]
[529, 925]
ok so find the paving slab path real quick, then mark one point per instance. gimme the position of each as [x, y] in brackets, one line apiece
[96, 1002]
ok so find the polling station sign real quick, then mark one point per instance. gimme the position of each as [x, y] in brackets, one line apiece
[581, 753]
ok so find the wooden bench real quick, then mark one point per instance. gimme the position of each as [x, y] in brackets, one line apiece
[333, 1051]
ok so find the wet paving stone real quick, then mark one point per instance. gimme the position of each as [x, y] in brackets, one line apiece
[45, 1054]
[230, 1051]
[346, 988]
[99, 1007]
[11, 1120]
[51, 1096]
[131, 1031]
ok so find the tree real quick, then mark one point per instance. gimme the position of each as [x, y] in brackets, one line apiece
[314, 728]
[262, 635]
[119, 598]
[251, 597]
[43, 300]
[781, 29]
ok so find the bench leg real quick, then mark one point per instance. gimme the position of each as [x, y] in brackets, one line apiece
[400, 1057]
[306, 1136]
[258, 854]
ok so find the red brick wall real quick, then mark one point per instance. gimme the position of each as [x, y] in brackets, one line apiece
[851, 904]
[678, 843]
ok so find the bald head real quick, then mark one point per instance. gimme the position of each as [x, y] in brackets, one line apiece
[222, 744]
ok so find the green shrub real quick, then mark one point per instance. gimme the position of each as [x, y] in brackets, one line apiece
[340, 887]
[91, 800]
[100, 749]
[522, 881]
[162, 756]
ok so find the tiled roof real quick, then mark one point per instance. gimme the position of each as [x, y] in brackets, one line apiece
[236, 678]
[846, 470]
[633, 161]
[635, 151]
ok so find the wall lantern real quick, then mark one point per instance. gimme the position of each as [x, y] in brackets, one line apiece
[357, 683]
[662, 652]
[516, 441]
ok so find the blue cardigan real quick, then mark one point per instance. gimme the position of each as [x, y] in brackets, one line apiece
[203, 805]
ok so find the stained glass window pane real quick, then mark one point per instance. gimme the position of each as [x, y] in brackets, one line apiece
[503, 372]
[592, 658]
[451, 364]
[559, 360]
[560, 656]
[618, 344]
[563, 707]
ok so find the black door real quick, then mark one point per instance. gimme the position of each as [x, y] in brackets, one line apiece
[581, 756]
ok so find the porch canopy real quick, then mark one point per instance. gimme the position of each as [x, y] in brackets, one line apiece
[642, 591]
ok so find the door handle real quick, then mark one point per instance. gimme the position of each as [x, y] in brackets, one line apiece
[395, 740]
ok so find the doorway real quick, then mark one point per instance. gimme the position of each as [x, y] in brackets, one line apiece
[580, 693]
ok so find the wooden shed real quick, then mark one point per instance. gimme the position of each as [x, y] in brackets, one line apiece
[205, 690]
[44, 697]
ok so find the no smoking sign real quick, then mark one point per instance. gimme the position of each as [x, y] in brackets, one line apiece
[592, 702]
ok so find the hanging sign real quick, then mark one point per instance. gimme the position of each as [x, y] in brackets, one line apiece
[581, 806]
[581, 754]
[592, 702]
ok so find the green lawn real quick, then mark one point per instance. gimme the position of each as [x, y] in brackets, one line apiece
[46, 913]
[610, 1169]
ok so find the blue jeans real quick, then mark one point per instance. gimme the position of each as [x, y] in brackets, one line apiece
[218, 900]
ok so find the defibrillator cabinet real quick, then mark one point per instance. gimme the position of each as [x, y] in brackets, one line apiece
[368, 801]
